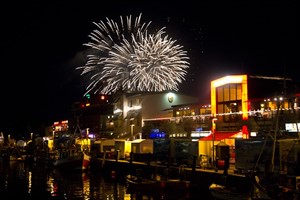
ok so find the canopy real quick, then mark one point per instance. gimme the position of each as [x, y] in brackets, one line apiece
[219, 136]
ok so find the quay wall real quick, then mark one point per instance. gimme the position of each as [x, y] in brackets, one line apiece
[200, 178]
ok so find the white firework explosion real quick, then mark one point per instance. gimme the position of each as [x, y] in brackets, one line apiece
[130, 59]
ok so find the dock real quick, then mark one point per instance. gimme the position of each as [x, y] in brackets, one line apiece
[199, 177]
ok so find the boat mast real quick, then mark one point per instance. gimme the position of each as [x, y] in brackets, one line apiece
[77, 127]
[275, 137]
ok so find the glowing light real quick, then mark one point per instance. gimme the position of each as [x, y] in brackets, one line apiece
[242, 79]
[117, 111]
[127, 57]
[170, 97]
[135, 108]
[228, 79]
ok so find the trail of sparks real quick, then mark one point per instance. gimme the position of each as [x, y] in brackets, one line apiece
[130, 59]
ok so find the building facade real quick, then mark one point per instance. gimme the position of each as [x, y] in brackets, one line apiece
[238, 103]
[132, 111]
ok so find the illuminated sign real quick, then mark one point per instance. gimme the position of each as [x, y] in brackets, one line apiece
[170, 97]
[253, 134]
[292, 127]
[198, 134]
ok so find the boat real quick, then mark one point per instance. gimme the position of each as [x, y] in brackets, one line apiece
[140, 184]
[158, 189]
[222, 192]
[137, 184]
[11, 154]
[76, 161]
[255, 191]
[178, 185]
[73, 152]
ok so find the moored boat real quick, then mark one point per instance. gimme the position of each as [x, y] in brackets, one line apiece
[86, 161]
[161, 186]
[141, 185]
[177, 185]
[223, 192]
[77, 161]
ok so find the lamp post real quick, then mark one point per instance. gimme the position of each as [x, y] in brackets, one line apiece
[213, 128]
[131, 130]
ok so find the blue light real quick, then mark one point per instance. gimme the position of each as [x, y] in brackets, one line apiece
[199, 129]
[155, 135]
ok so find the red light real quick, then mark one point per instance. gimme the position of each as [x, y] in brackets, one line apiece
[162, 184]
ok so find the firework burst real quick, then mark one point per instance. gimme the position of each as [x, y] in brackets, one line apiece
[129, 58]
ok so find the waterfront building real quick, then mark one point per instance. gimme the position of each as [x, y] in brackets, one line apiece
[93, 116]
[132, 111]
[241, 106]
[245, 106]
[237, 102]
[123, 115]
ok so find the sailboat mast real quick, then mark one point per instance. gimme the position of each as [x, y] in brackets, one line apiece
[77, 127]
[275, 138]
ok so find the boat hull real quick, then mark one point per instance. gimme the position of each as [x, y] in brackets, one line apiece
[221, 192]
[76, 162]
[141, 185]
[160, 187]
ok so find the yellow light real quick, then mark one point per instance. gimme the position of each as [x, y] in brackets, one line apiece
[170, 97]
[242, 79]
[228, 79]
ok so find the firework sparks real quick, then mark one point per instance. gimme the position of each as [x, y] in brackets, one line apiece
[129, 58]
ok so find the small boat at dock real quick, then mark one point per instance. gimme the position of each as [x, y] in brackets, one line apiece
[77, 161]
[141, 185]
[161, 186]
[223, 192]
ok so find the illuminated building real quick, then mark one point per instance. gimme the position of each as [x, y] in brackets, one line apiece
[229, 94]
[133, 110]
[240, 101]
[93, 114]
[60, 127]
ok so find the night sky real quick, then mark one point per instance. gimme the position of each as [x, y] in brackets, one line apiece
[42, 44]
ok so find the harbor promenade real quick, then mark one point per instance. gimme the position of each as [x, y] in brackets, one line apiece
[199, 177]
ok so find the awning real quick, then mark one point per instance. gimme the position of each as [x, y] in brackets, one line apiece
[219, 136]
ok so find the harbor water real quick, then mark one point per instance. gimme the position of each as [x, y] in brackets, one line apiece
[20, 180]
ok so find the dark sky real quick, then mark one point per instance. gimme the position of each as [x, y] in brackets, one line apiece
[42, 44]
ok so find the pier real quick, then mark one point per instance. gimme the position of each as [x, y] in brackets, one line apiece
[199, 177]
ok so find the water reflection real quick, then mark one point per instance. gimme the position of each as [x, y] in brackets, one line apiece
[86, 186]
[19, 180]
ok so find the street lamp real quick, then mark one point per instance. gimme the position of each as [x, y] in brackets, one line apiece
[131, 130]
[213, 128]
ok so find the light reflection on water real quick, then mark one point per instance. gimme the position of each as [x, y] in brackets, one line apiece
[19, 180]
